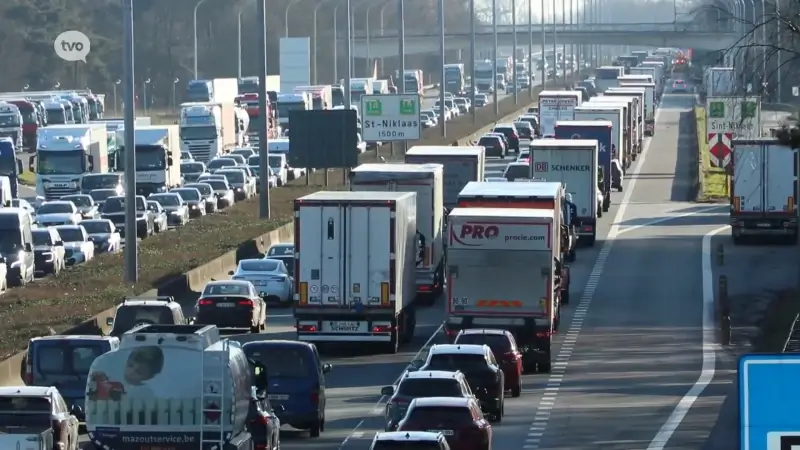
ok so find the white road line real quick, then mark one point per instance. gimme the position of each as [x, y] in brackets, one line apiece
[708, 369]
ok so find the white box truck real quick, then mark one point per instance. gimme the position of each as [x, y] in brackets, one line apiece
[355, 277]
[427, 181]
[502, 274]
[615, 115]
[555, 106]
[158, 159]
[461, 165]
[629, 134]
[649, 104]
[572, 162]
[764, 190]
[636, 109]
[640, 101]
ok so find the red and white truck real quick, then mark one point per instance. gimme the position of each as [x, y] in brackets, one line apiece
[355, 256]
[425, 180]
[502, 274]
[764, 190]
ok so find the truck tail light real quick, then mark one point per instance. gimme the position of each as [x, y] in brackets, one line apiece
[307, 328]
[385, 294]
[737, 204]
[303, 293]
[382, 329]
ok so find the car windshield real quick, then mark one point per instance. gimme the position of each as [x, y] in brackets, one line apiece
[117, 204]
[42, 237]
[96, 226]
[64, 357]
[220, 163]
[217, 185]
[447, 416]
[226, 289]
[192, 167]
[102, 194]
[80, 200]
[55, 208]
[204, 189]
[188, 195]
[430, 387]
[281, 250]
[465, 362]
[167, 199]
[238, 158]
[254, 160]
[99, 182]
[500, 344]
[233, 176]
[289, 361]
[130, 316]
[262, 265]
[153, 206]
[71, 234]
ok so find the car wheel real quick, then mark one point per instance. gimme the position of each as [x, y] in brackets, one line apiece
[516, 391]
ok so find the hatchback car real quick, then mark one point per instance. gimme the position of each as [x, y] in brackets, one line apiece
[103, 235]
[427, 383]
[220, 163]
[679, 86]
[459, 419]
[85, 204]
[525, 130]
[177, 210]
[231, 304]
[222, 190]
[297, 381]
[494, 145]
[207, 192]
[193, 199]
[60, 212]
[270, 277]
[409, 440]
[504, 348]
[517, 170]
[511, 133]
[77, 246]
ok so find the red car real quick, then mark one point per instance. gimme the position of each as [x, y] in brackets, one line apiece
[459, 419]
[505, 350]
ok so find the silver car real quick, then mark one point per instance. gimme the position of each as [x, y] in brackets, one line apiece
[270, 278]
[222, 190]
[244, 185]
[208, 195]
[85, 204]
[177, 209]
[103, 234]
[193, 198]
[58, 213]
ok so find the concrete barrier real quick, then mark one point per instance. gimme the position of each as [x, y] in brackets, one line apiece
[192, 281]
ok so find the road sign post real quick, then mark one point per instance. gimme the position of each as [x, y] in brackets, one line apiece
[391, 117]
[768, 397]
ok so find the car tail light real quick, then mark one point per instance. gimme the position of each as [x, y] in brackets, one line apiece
[248, 303]
[205, 302]
[261, 420]
[543, 334]
[510, 357]
[261, 447]
[382, 329]
[307, 328]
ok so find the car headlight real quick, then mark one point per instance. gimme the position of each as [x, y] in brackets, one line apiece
[161, 189]
[193, 206]
[239, 189]
[48, 256]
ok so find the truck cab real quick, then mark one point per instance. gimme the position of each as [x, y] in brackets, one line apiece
[11, 123]
[10, 166]
[64, 154]
[290, 102]
[158, 156]
[55, 113]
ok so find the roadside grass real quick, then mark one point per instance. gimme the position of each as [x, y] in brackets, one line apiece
[715, 182]
[27, 178]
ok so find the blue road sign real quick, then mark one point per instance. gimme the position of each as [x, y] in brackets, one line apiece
[769, 395]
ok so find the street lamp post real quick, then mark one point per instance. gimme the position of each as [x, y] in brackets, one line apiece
[336, 45]
[286, 17]
[530, 49]
[474, 58]
[514, 54]
[195, 36]
[544, 58]
[144, 94]
[494, 58]
[239, 44]
[314, 48]
[442, 120]
[131, 250]
[174, 88]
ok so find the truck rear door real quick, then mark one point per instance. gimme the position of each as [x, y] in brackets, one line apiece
[780, 173]
[573, 168]
[748, 160]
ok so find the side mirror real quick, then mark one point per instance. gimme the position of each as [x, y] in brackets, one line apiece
[90, 164]
[230, 272]
[75, 410]
[59, 243]
[28, 247]
[387, 391]
[326, 368]
[169, 161]
[109, 321]
[19, 166]
[260, 380]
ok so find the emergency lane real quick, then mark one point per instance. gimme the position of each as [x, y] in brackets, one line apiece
[633, 346]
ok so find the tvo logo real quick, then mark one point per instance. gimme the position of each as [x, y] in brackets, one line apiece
[476, 232]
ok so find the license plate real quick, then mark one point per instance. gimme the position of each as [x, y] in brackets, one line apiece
[444, 432]
[345, 327]
[764, 225]
[225, 305]
[260, 283]
[277, 397]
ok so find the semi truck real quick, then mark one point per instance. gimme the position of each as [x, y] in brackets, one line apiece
[11, 123]
[636, 101]
[649, 104]
[616, 117]
[217, 90]
[627, 128]
[572, 162]
[461, 165]
[10, 166]
[158, 158]
[555, 106]
[503, 67]
[504, 273]
[484, 76]
[763, 191]
[607, 76]
[285, 103]
[208, 408]
[355, 268]
[426, 180]
[321, 96]
[531, 195]
[454, 78]
[601, 131]
[208, 129]
[64, 154]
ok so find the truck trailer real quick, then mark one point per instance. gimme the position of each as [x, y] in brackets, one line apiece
[503, 274]
[602, 131]
[555, 106]
[764, 190]
[573, 163]
[615, 115]
[636, 126]
[649, 104]
[628, 136]
[426, 180]
[355, 278]
[461, 165]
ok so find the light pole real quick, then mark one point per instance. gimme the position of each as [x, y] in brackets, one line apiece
[286, 17]
[544, 58]
[131, 246]
[383, 10]
[174, 88]
[367, 28]
[144, 94]
[336, 46]
[555, 43]
[530, 49]
[114, 87]
[314, 37]
[195, 36]
[474, 58]
[494, 58]
[401, 42]
[514, 54]
[238, 44]
[442, 120]
[264, 209]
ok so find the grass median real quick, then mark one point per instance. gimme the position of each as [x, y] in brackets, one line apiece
[54, 304]
[714, 187]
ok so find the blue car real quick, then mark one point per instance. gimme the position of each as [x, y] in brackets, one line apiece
[64, 361]
[296, 382]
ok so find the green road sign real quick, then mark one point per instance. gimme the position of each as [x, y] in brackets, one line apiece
[408, 106]
[716, 110]
[373, 108]
[749, 110]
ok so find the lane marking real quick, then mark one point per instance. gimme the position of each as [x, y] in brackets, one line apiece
[708, 369]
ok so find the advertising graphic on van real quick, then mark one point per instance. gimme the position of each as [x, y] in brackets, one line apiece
[502, 236]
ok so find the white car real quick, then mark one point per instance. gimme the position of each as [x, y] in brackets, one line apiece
[270, 278]
[77, 246]
[58, 213]
[103, 234]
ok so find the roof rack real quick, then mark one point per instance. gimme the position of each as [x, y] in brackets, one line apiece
[160, 298]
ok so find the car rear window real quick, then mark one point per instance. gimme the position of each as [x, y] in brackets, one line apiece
[128, 317]
[432, 387]
[448, 416]
[497, 342]
[66, 357]
[283, 360]
[456, 361]
[406, 445]
[489, 141]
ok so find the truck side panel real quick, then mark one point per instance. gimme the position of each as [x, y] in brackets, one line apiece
[781, 177]
[747, 178]
[576, 168]
[458, 171]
